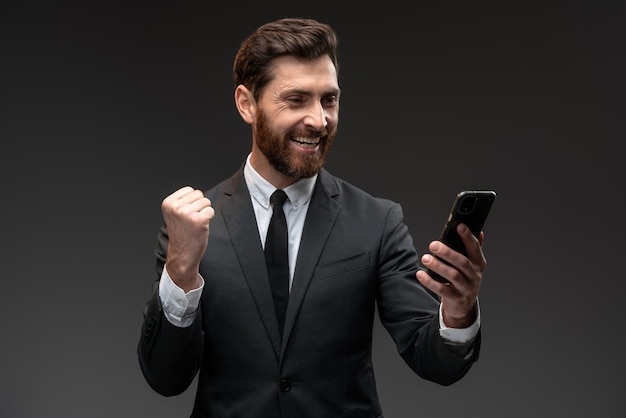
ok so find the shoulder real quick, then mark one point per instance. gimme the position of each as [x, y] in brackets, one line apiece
[345, 192]
[227, 187]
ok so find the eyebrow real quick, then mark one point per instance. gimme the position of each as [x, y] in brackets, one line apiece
[331, 92]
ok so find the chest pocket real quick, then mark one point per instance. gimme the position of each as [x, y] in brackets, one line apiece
[344, 266]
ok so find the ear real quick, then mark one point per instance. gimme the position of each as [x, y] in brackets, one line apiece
[244, 100]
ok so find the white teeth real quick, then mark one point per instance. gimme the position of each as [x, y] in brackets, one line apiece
[308, 141]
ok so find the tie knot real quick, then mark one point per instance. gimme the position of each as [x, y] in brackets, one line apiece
[278, 198]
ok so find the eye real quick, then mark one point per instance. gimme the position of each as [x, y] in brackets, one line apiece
[330, 100]
[295, 100]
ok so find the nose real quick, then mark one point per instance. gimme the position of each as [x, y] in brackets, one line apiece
[316, 117]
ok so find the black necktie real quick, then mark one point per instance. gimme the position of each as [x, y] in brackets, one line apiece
[276, 256]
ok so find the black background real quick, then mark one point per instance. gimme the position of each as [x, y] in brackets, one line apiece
[107, 107]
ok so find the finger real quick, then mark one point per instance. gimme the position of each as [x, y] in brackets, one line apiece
[199, 204]
[454, 266]
[472, 266]
[173, 199]
[180, 193]
[208, 213]
[205, 214]
[472, 244]
[437, 287]
[190, 197]
[443, 268]
[198, 212]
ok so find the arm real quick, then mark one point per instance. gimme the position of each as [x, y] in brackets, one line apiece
[169, 355]
[409, 310]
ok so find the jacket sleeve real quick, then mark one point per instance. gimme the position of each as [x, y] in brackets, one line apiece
[169, 356]
[409, 311]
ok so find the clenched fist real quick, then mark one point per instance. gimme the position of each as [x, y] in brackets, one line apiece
[187, 214]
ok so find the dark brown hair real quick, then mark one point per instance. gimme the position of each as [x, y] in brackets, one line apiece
[302, 38]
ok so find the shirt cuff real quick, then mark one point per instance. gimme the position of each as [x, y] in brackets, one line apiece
[179, 307]
[459, 335]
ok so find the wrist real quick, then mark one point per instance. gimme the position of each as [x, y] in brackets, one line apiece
[462, 319]
[185, 277]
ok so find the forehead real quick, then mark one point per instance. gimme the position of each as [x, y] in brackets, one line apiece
[289, 72]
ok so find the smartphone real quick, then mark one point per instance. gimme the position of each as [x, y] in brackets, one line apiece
[470, 207]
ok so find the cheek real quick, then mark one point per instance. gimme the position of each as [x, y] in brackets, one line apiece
[333, 119]
[283, 124]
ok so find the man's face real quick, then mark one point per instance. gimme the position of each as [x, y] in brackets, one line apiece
[297, 116]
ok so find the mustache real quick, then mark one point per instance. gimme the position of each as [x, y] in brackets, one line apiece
[310, 134]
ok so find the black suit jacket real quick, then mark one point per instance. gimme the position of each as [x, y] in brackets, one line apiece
[355, 252]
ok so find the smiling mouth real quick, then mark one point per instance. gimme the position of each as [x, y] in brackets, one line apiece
[306, 142]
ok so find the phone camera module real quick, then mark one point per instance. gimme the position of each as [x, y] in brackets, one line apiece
[468, 203]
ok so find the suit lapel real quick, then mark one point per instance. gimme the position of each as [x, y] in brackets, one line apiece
[241, 224]
[321, 216]
[240, 221]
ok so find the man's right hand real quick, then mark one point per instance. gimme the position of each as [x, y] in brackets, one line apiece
[187, 214]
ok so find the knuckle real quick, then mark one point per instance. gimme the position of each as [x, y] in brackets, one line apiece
[465, 264]
[455, 276]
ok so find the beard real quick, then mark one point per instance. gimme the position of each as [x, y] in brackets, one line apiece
[277, 149]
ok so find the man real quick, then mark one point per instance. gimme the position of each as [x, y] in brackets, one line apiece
[213, 312]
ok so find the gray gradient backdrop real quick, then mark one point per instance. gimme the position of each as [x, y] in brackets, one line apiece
[105, 108]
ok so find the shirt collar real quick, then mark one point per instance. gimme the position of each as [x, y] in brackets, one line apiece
[299, 192]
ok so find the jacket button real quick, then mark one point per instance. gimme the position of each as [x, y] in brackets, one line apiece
[285, 385]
